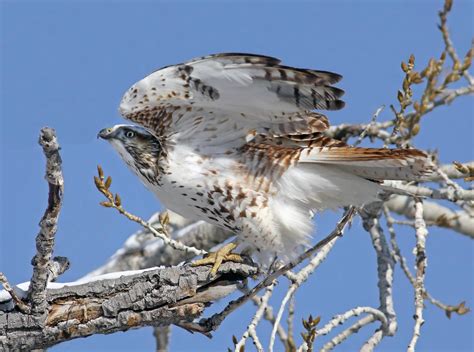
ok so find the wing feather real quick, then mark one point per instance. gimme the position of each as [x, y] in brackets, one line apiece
[255, 90]
[371, 163]
[229, 100]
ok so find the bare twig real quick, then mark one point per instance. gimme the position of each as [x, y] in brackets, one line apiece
[353, 329]
[459, 309]
[116, 203]
[251, 328]
[454, 170]
[372, 130]
[297, 280]
[290, 343]
[457, 188]
[367, 128]
[355, 312]
[270, 317]
[449, 47]
[289, 294]
[48, 224]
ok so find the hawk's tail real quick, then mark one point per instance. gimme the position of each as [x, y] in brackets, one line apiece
[372, 163]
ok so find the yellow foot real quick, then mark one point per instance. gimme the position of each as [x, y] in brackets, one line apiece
[217, 258]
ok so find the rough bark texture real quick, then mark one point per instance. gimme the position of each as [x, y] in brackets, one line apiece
[155, 297]
[48, 225]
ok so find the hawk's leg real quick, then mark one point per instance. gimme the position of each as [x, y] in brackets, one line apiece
[223, 254]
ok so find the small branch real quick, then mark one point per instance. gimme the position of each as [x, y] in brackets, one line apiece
[457, 188]
[455, 170]
[290, 343]
[25, 308]
[448, 96]
[251, 329]
[353, 329]
[453, 194]
[270, 317]
[355, 312]
[449, 47]
[373, 341]
[116, 203]
[372, 130]
[289, 294]
[48, 224]
[459, 309]
[421, 262]
[443, 15]
[371, 123]
[297, 281]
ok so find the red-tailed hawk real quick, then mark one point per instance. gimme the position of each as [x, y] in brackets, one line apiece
[233, 139]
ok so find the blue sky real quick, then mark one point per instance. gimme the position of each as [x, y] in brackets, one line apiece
[66, 65]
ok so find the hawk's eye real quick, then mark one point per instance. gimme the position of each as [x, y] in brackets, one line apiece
[129, 134]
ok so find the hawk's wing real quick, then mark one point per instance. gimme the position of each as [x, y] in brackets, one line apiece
[228, 100]
[230, 97]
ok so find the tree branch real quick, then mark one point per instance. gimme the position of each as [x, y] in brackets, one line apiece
[48, 224]
[450, 170]
[297, 281]
[447, 193]
[251, 328]
[370, 216]
[119, 302]
[421, 262]
[458, 221]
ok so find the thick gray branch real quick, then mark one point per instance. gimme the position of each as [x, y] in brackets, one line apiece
[155, 297]
[48, 225]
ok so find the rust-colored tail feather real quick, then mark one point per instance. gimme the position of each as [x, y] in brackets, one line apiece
[372, 163]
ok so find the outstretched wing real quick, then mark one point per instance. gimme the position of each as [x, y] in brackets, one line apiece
[228, 100]
[229, 97]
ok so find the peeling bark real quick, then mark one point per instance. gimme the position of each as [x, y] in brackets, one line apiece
[156, 297]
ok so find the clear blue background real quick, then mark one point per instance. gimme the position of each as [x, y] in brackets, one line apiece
[66, 65]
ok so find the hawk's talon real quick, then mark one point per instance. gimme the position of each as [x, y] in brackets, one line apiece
[216, 258]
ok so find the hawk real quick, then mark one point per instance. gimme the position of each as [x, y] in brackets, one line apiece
[234, 139]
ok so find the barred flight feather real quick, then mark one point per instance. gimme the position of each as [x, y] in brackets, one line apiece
[232, 139]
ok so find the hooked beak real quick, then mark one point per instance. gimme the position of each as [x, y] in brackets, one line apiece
[105, 133]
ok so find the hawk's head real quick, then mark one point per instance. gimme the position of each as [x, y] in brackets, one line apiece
[137, 147]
